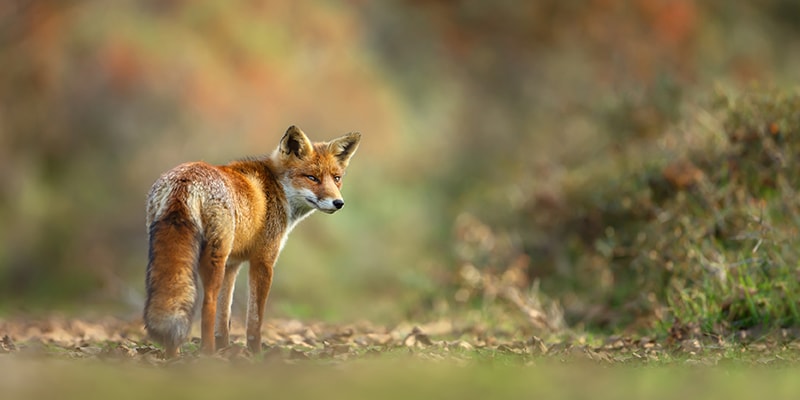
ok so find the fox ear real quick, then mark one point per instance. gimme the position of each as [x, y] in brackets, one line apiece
[295, 142]
[344, 147]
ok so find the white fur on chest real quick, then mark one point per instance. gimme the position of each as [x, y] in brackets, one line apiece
[290, 224]
[297, 208]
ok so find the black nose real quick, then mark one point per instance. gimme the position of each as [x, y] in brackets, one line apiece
[338, 204]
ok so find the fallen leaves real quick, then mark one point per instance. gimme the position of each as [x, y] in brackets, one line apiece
[293, 341]
[7, 345]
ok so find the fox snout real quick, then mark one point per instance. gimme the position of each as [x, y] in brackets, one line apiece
[329, 206]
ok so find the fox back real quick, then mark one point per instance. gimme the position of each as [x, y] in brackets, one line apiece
[205, 220]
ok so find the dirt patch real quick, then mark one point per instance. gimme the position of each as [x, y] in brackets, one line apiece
[294, 341]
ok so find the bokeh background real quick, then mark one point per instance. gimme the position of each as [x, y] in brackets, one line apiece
[495, 133]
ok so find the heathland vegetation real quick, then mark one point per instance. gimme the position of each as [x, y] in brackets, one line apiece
[610, 181]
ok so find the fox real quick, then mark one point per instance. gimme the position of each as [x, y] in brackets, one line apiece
[204, 221]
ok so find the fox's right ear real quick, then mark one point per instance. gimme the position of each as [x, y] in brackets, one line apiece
[295, 142]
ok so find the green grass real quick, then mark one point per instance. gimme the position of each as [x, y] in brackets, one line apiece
[702, 231]
[391, 378]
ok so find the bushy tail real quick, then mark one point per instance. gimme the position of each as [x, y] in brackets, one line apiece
[175, 244]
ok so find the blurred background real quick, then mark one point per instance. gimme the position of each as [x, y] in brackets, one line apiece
[504, 141]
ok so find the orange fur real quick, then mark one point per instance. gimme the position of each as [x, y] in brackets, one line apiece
[206, 220]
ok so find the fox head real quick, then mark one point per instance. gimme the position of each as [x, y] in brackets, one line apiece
[312, 173]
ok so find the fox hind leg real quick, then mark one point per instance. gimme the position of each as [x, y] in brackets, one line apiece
[212, 272]
[224, 302]
[260, 282]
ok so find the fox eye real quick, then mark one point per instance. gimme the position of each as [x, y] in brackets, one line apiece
[312, 178]
[337, 178]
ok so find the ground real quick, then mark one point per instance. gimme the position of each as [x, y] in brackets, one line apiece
[110, 358]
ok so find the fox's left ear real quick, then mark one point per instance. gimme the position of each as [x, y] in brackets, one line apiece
[344, 147]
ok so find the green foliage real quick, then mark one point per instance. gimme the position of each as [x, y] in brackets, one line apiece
[746, 274]
[706, 236]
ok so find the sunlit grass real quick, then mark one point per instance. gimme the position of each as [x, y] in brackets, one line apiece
[394, 378]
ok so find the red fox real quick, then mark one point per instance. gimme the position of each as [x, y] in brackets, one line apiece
[206, 220]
